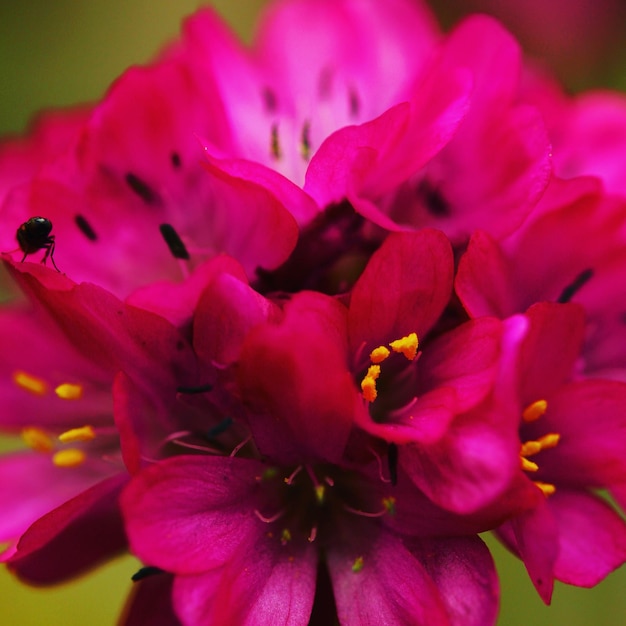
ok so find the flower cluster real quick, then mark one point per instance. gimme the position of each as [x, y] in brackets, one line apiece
[319, 311]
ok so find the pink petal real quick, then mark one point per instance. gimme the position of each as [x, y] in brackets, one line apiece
[465, 576]
[534, 536]
[376, 580]
[209, 512]
[262, 583]
[227, 311]
[295, 379]
[590, 417]
[592, 538]
[75, 537]
[176, 302]
[404, 289]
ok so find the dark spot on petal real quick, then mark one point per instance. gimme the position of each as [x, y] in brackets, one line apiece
[305, 141]
[142, 189]
[193, 390]
[145, 572]
[85, 228]
[354, 102]
[392, 462]
[174, 242]
[433, 199]
[175, 160]
[570, 291]
[270, 101]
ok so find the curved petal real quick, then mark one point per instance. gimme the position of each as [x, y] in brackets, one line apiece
[209, 512]
[259, 585]
[295, 380]
[150, 602]
[592, 538]
[404, 289]
[376, 580]
[75, 537]
[465, 576]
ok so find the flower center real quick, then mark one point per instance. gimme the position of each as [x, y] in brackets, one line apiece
[302, 505]
[533, 446]
[406, 345]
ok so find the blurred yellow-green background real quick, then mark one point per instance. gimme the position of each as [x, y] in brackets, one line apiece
[61, 52]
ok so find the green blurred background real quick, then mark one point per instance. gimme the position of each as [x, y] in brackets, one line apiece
[61, 52]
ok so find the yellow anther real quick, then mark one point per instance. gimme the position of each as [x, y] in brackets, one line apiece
[68, 391]
[86, 433]
[407, 346]
[37, 439]
[530, 447]
[285, 536]
[378, 355]
[373, 371]
[320, 492]
[305, 142]
[549, 441]
[534, 411]
[275, 143]
[547, 488]
[29, 383]
[528, 466]
[358, 564]
[368, 387]
[390, 505]
[70, 457]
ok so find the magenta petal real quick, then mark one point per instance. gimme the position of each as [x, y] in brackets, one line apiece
[590, 417]
[465, 575]
[209, 512]
[227, 311]
[549, 349]
[471, 464]
[483, 281]
[150, 602]
[465, 359]
[295, 379]
[534, 536]
[75, 537]
[176, 302]
[376, 580]
[592, 538]
[262, 583]
[404, 289]
[32, 486]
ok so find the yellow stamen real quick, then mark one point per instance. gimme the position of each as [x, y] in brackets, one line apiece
[358, 564]
[37, 439]
[29, 383]
[530, 447]
[85, 433]
[285, 536]
[305, 142]
[529, 466]
[319, 493]
[407, 346]
[547, 488]
[534, 411]
[378, 355]
[70, 457]
[390, 505]
[549, 441]
[368, 387]
[68, 391]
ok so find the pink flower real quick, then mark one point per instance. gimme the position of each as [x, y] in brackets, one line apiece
[572, 443]
[62, 364]
[572, 249]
